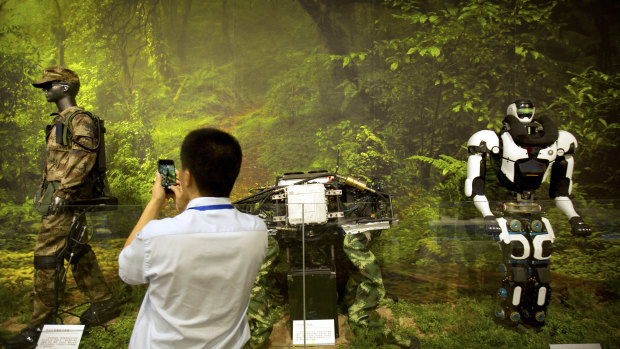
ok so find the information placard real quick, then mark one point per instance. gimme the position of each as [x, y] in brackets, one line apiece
[60, 337]
[318, 332]
[576, 346]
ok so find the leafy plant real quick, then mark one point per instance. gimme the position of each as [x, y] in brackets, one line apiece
[588, 109]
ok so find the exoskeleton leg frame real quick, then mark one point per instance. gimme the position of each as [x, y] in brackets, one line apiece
[74, 248]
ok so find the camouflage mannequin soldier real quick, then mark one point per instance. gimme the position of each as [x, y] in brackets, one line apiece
[68, 177]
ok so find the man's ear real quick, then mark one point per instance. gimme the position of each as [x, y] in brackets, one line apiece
[189, 180]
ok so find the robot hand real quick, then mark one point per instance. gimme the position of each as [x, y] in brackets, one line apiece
[56, 206]
[579, 227]
[491, 227]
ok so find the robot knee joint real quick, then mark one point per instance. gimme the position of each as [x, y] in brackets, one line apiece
[518, 248]
[519, 274]
[544, 276]
[543, 247]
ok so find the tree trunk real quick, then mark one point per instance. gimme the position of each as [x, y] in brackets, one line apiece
[60, 34]
[335, 38]
[156, 46]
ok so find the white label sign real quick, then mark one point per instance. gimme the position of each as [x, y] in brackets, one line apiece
[318, 332]
[576, 346]
[60, 337]
[306, 204]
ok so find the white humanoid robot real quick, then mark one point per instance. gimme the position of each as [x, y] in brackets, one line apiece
[526, 151]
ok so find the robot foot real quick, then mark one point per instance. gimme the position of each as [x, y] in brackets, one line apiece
[537, 320]
[507, 317]
[520, 320]
[517, 327]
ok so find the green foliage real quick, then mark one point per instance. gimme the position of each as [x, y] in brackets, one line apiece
[418, 77]
[588, 109]
[297, 106]
[362, 153]
[132, 168]
[469, 323]
[404, 242]
[20, 158]
[453, 172]
[18, 218]
[387, 90]
[440, 79]
[115, 336]
[592, 260]
[16, 277]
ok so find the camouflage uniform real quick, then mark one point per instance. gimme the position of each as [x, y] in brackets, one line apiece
[71, 167]
[364, 289]
[261, 297]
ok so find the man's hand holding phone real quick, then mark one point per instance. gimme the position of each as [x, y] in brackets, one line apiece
[159, 200]
[159, 194]
[166, 179]
[171, 185]
[181, 199]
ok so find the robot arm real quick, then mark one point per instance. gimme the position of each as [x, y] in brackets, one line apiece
[480, 144]
[561, 183]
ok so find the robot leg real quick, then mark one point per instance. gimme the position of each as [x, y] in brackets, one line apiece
[511, 293]
[516, 272]
[539, 294]
[539, 289]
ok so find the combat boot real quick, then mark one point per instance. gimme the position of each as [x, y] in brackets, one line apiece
[27, 338]
[100, 312]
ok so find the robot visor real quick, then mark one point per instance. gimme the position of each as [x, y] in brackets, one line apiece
[525, 112]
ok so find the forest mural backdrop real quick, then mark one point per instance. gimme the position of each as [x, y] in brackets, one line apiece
[388, 90]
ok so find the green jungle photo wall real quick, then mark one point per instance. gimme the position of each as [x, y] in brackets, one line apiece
[387, 91]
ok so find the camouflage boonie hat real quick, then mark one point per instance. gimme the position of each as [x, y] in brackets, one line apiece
[57, 74]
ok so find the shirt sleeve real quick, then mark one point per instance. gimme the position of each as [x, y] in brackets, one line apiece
[131, 262]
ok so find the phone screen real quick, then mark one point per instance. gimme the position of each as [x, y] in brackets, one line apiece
[168, 176]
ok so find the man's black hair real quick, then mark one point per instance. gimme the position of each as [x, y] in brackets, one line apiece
[213, 157]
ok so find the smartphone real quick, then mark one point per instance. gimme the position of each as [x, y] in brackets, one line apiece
[168, 176]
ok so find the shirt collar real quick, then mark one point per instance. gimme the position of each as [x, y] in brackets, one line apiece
[204, 201]
[66, 112]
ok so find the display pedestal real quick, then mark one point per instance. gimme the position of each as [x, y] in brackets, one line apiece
[321, 297]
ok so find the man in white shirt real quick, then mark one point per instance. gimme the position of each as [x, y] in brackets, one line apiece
[201, 264]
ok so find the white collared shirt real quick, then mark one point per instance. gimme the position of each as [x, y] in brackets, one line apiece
[200, 267]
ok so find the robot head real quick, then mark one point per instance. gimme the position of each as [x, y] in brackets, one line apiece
[522, 110]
